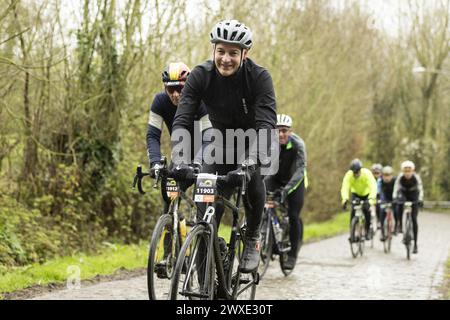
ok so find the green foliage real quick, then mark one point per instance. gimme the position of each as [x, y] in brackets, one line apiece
[25, 235]
[74, 106]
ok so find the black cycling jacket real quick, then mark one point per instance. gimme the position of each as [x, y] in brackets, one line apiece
[244, 100]
[292, 164]
[163, 111]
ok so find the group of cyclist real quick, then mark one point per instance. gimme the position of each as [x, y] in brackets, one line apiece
[379, 186]
[230, 92]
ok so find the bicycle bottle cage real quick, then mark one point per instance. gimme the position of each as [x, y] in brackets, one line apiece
[205, 188]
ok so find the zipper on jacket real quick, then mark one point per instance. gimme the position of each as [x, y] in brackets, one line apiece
[244, 105]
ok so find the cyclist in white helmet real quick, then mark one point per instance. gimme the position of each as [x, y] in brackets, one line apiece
[408, 187]
[291, 181]
[386, 191]
[376, 171]
[238, 94]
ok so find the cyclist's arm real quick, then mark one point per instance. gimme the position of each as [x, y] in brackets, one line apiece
[154, 129]
[300, 164]
[345, 189]
[187, 109]
[373, 189]
[265, 112]
[397, 188]
[420, 187]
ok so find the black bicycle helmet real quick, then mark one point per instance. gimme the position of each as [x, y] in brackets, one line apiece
[356, 165]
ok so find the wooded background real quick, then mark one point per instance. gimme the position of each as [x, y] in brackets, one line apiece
[76, 86]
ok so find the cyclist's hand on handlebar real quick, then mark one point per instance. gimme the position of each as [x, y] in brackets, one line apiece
[183, 172]
[154, 169]
[197, 167]
[344, 205]
[234, 178]
[420, 203]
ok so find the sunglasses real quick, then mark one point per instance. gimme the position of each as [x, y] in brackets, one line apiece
[283, 130]
[172, 89]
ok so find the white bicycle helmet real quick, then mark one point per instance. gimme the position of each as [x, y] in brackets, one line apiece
[283, 120]
[388, 171]
[377, 167]
[232, 31]
[408, 164]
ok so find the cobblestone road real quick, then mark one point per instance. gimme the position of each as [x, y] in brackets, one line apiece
[326, 270]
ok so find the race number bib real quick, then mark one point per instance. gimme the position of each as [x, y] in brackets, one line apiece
[171, 188]
[205, 188]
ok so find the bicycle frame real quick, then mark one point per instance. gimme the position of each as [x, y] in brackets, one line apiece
[224, 289]
[270, 209]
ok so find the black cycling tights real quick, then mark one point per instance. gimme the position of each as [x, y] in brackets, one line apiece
[414, 214]
[365, 208]
[295, 202]
[255, 197]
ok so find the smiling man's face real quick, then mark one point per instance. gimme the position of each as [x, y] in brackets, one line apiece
[227, 58]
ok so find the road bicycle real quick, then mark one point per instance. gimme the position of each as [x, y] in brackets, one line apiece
[274, 234]
[213, 265]
[357, 228]
[408, 235]
[388, 225]
[169, 232]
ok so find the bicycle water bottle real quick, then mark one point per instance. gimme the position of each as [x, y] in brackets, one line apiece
[277, 229]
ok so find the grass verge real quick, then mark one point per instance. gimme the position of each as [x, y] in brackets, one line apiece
[118, 257]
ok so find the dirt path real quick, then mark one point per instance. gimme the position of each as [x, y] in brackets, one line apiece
[326, 270]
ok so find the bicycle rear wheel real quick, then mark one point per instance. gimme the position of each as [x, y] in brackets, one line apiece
[266, 245]
[162, 258]
[243, 285]
[354, 237]
[283, 259]
[194, 275]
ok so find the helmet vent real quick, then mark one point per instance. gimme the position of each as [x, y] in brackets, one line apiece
[233, 35]
[225, 34]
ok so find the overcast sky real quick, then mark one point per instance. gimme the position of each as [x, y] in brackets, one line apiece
[384, 12]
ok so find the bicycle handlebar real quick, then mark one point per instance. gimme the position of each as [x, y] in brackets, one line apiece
[164, 172]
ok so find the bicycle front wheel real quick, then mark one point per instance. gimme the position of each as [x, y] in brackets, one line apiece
[408, 238]
[354, 237]
[266, 245]
[387, 235]
[194, 275]
[161, 258]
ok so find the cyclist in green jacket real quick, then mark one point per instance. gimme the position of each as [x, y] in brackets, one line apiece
[360, 183]
[290, 181]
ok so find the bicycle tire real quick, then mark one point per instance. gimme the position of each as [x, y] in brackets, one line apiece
[266, 245]
[246, 280]
[164, 223]
[391, 232]
[283, 259]
[354, 241]
[362, 236]
[407, 239]
[386, 232]
[187, 258]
